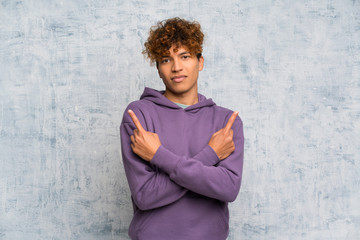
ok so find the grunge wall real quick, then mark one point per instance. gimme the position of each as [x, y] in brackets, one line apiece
[69, 68]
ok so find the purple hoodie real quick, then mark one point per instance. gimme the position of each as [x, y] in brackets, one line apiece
[183, 192]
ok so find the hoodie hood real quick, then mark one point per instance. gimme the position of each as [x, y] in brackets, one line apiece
[158, 98]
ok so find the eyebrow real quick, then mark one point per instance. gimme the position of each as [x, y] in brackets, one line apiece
[182, 53]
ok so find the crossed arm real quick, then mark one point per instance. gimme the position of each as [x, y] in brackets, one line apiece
[174, 175]
[145, 143]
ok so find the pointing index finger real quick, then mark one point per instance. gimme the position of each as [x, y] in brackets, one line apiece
[231, 121]
[135, 120]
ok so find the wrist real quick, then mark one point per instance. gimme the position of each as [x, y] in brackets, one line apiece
[214, 149]
[153, 153]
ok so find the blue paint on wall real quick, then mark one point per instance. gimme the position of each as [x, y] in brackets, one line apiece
[69, 68]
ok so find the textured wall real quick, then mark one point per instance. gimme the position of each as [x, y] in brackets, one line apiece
[68, 69]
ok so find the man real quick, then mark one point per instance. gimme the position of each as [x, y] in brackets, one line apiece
[182, 154]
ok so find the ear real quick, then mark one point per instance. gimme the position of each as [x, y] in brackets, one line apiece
[201, 63]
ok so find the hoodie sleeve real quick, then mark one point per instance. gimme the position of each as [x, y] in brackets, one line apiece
[221, 181]
[150, 187]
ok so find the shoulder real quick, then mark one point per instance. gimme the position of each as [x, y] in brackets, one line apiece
[140, 105]
[143, 110]
[226, 113]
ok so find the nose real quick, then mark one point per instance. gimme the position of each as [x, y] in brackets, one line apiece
[176, 66]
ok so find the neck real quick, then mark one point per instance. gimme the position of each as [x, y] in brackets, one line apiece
[186, 98]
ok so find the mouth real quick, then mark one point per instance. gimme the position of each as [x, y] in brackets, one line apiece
[179, 78]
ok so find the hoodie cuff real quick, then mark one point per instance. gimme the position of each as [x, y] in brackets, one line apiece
[165, 159]
[207, 156]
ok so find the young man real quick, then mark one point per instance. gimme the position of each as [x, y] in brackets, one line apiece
[182, 154]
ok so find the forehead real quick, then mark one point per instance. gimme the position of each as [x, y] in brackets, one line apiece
[177, 49]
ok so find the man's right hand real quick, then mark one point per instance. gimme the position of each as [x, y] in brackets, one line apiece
[222, 141]
[143, 143]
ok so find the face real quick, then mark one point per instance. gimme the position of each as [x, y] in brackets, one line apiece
[179, 72]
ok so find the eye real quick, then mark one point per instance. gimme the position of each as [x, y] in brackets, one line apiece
[165, 60]
[185, 56]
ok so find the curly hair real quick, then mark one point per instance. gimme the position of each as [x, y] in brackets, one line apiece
[173, 31]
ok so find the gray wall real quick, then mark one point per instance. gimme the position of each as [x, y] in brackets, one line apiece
[69, 68]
